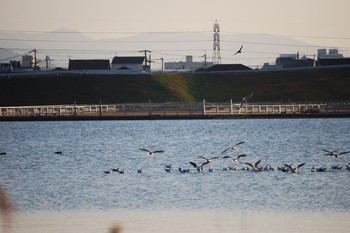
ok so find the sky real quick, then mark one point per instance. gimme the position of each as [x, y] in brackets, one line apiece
[318, 22]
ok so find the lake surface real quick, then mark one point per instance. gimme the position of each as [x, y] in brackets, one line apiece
[38, 180]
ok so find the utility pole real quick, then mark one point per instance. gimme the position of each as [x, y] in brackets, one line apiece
[162, 59]
[146, 60]
[47, 61]
[150, 61]
[205, 60]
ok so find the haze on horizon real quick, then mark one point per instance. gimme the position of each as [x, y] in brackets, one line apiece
[316, 22]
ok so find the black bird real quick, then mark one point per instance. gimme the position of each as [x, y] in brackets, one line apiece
[58, 152]
[233, 148]
[150, 153]
[167, 168]
[121, 171]
[238, 51]
[294, 169]
[318, 169]
[108, 172]
[2, 153]
[336, 167]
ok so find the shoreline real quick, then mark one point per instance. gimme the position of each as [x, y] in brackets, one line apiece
[174, 111]
[171, 117]
[194, 221]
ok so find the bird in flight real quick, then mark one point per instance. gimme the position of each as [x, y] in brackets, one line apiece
[335, 154]
[200, 167]
[238, 51]
[245, 99]
[234, 159]
[255, 167]
[208, 160]
[233, 148]
[293, 169]
[150, 153]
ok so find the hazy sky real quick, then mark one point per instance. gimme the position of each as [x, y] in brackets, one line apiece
[305, 18]
[314, 22]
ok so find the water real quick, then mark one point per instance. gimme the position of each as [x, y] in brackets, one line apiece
[37, 179]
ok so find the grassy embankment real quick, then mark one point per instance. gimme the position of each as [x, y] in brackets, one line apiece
[332, 84]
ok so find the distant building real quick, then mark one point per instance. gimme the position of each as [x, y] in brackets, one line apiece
[128, 63]
[5, 67]
[332, 58]
[89, 65]
[228, 67]
[332, 53]
[290, 61]
[189, 65]
[334, 61]
[27, 62]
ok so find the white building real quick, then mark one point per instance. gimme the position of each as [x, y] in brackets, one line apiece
[189, 65]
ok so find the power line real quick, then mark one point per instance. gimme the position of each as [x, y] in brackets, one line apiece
[166, 32]
[168, 41]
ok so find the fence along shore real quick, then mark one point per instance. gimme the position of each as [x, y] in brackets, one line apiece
[150, 110]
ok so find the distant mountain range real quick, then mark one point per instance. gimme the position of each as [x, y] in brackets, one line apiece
[63, 44]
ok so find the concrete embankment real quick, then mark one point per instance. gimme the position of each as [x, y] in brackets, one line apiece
[150, 111]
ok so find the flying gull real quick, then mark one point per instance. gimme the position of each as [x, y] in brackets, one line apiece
[335, 154]
[233, 148]
[294, 169]
[234, 159]
[245, 99]
[254, 167]
[150, 153]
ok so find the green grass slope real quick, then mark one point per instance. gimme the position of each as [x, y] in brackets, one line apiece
[326, 84]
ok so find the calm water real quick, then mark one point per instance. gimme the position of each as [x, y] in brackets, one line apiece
[40, 180]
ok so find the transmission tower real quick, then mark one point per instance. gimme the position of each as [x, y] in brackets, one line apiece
[216, 44]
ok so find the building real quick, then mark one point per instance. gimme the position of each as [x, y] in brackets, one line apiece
[89, 65]
[285, 61]
[334, 61]
[27, 62]
[332, 53]
[5, 67]
[128, 63]
[228, 67]
[189, 65]
[332, 58]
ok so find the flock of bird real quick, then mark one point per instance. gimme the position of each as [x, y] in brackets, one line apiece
[247, 166]
[236, 160]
